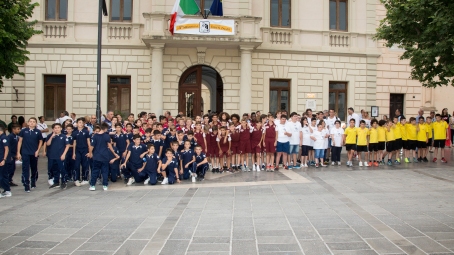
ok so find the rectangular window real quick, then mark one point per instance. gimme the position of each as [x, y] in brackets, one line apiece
[54, 96]
[338, 15]
[279, 95]
[119, 97]
[121, 10]
[57, 10]
[280, 13]
[338, 99]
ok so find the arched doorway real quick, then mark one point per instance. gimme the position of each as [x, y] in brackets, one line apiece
[190, 91]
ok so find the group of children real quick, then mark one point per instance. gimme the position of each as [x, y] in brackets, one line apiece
[172, 150]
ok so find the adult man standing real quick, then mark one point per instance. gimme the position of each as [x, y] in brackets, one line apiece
[108, 119]
[398, 114]
[420, 114]
[353, 115]
[13, 121]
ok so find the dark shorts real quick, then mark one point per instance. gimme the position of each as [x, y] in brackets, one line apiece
[311, 148]
[373, 146]
[213, 151]
[350, 147]
[398, 144]
[255, 148]
[361, 148]
[429, 142]
[422, 145]
[439, 143]
[283, 147]
[235, 148]
[269, 146]
[405, 144]
[411, 145]
[381, 146]
[245, 147]
[305, 150]
[390, 146]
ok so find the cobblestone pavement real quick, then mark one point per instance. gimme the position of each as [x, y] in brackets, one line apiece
[403, 209]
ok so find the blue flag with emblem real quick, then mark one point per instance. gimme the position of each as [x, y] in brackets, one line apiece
[216, 8]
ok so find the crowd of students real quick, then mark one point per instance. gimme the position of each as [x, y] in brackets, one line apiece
[168, 150]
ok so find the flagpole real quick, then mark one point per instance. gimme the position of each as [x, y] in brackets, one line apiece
[98, 78]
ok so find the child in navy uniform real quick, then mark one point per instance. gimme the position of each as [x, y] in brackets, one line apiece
[30, 142]
[114, 164]
[69, 161]
[56, 144]
[4, 158]
[187, 160]
[170, 166]
[81, 137]
[170, 137]
[121, 141]
[152, 166]
[190, 138]
[157, 142]
[201, 163]
[134, 163]
[99, 151]
[11, 165]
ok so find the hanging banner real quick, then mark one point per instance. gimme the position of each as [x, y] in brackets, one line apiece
[204, 27]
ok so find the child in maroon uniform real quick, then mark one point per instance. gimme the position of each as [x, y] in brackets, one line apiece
[256, 145]
[270, 142]
[245, 147]
[199, 136]
[213, 149]
[224, 149]
[235, 143]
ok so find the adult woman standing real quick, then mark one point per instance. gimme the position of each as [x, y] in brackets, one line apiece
[42, 126]
[446, 117]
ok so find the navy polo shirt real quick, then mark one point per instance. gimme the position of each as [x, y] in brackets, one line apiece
[186, 156]
[57, 146]
[152, 163]
[199, 158]
[30, 140]
[171, 167]
[4, 144]
[101, 150]
[136, 151]
[130, 136]
[157, 144]
[177, 155]
[169, 138]
[81, 136]
[120, 141]
[181, 146]
[13, 140]
[70, 142]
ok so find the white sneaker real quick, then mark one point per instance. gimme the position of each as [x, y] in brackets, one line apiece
[253, 167]
[51, 182]
[305, 165]
[84, 183]
[193, 178]
[77, 183]
[257, 168]
[6, 194]
[92, 188]
[332, 163]
[104, 188]
[146, 181]
[165, 181]
[360, 163]
[339, 163]
[365, 163]
[130, 181]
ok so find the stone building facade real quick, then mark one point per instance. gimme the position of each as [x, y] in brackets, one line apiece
[299, 58]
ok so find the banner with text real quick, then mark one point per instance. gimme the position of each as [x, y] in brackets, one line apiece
[204, 27]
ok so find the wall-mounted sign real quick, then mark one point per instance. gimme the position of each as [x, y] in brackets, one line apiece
[204, 27]
[311, 104]
[310, 95]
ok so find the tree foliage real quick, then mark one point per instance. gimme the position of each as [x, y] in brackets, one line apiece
[425, 30]
[15, 31]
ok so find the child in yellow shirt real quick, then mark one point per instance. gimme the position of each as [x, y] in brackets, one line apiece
[423, 139]
[403, 132]
[412, 132]
[430, 143]
[381, 139]
[350, 141]
[362, 142]
[390, 141]
[373, 143]
[398, 137]
[440, 136]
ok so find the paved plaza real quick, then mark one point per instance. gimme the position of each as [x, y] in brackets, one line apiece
[404, 209]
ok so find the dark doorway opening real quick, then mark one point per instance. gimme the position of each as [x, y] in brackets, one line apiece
[396, 102]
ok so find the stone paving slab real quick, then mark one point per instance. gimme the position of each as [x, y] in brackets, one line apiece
[402, 209]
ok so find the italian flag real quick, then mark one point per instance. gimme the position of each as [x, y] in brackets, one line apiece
[181, 8]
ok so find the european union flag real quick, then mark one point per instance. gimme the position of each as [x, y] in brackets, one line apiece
[216, 8]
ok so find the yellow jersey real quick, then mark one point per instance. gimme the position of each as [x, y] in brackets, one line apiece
[381, 134]
[429, 129]
[439, 128]
[350, 135]
[373, 135]
[396, 130]
[362, 136]
[403, 131]
[411, 132]
[422, 133]
[390, 135]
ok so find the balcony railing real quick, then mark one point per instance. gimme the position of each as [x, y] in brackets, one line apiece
[339, 39]
[54, 30]
[119, 32]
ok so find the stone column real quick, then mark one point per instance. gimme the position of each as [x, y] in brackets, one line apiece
[156, 90]
[246, 79]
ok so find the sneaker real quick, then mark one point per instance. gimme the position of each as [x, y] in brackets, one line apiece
[425, 159]
[376, 164]
[443, 160]
[263, 167]
[316, 165]
[290, 167]
[390, 163]
[165, 181]
[348, 163]
[339, 163]
[434, 160]
[286, 167]
[77, 183]
[332, 163]
[130, 181]
[398, 160]
[366, 164]
[406, 160]
[84, 183]
[146, 181]
[415, 160]
[305, 165]
[12, 184]
[63, 185]
[193, 178]
[51, 182]
[6, 194]
[253, 168]
[104, 188]
[258, 168]
[92, 188]
[248, 169]
[324, 165]
[360, 163]
[55, 185]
